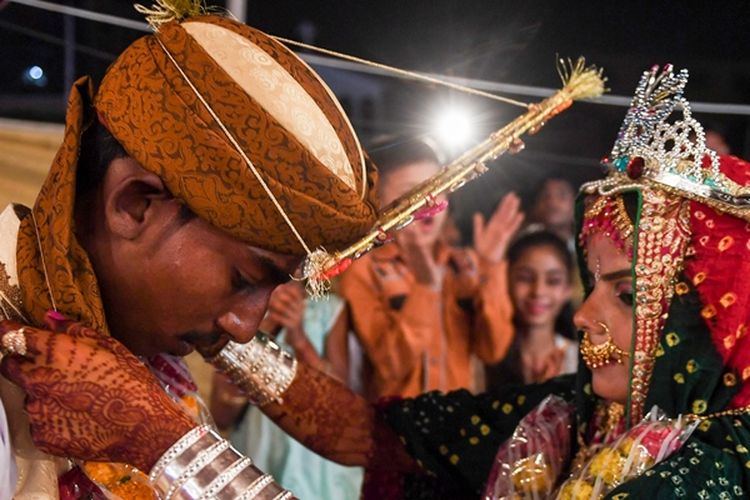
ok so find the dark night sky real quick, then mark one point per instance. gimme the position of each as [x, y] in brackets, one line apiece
[491, 39]
[514, 42]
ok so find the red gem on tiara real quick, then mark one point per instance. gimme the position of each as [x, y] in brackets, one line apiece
[635, 167]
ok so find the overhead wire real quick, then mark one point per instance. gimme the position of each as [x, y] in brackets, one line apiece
[336, 60]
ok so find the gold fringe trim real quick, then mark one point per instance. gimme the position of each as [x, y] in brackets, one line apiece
[166, 11]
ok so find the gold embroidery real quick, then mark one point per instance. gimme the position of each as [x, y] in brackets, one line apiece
[663, 235]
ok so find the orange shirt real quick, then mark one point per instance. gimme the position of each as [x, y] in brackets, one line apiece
[418, 339]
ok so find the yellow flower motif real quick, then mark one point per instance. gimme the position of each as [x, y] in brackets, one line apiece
[659, 351]
[454, 459]
[531, 476]
[679, 378]
[740, 449]
[575, 489]
[495, 405]
[587, 389]
[730, 379]
[729, 342]
[507, 408]
[708, 312]
[725, 243]
[521, 400]
[672, 339]
[728, 299]
[443, 449]
[704, 426]
[474, 440]
[699, 278]
[699, 406]
[691, 366]
[475, 419]
[484, 429]
[608, 465]
[462, 432]
[747, 464]
[621, 496]
[681, 288]
[626, 446]
[741, 331]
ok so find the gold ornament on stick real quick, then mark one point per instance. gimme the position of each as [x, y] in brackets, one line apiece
[579, 82]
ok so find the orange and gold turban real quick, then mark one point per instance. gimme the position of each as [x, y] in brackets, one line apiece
[237, 126]
[217, 109]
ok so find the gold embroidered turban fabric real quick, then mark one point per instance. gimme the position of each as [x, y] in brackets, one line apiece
[173, 98]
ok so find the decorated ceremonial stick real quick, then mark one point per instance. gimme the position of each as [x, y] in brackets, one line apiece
[579, 82]
[261, 368]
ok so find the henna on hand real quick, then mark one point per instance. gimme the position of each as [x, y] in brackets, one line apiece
[334, 422]
[90, 398]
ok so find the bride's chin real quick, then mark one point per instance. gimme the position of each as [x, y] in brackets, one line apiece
[611, 383]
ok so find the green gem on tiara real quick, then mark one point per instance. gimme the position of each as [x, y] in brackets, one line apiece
[621, 163]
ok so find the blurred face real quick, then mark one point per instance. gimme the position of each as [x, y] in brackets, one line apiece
[715, 141]
[399, 181]
[539, 286]
[610, 302]
[188, 285]
[554, 206]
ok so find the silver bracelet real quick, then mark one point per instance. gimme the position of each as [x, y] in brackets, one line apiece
[202, 465]
[262, 369]
[256, 487]
[196, 465]
[177, 449]
[283, 495]
[247, 484]
[224, 478]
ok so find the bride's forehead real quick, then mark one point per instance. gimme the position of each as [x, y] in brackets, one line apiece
[601, 250]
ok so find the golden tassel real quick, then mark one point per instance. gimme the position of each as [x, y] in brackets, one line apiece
[166, 11]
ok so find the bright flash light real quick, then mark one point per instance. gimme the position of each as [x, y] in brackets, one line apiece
[35, 72]
[453, 127]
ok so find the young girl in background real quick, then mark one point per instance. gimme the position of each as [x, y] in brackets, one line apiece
[539, 279]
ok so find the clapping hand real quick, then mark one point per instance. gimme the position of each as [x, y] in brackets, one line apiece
[491, 239]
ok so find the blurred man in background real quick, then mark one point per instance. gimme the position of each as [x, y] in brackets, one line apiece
[420, 308]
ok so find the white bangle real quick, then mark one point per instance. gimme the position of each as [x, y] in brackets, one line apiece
[262, 369]
[202, 465]
[196, 465]
[256, 487]
[225, 478]
[283, 495]
[182, 444]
